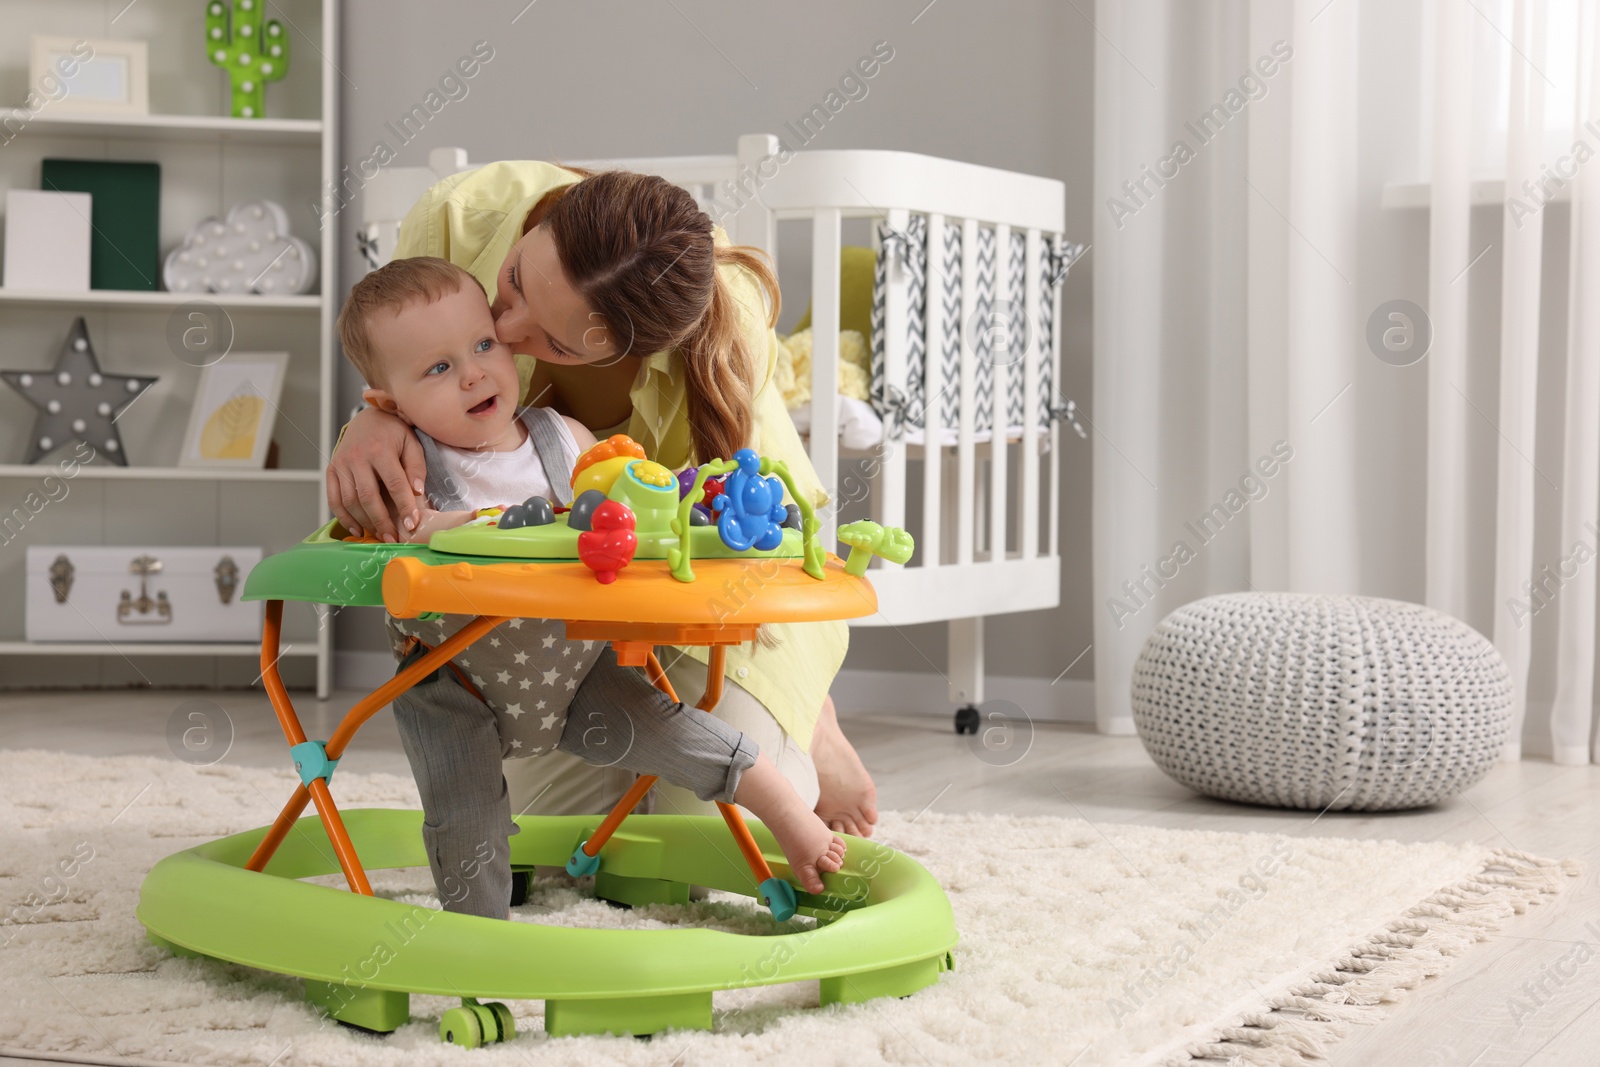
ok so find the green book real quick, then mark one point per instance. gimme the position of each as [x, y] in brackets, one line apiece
[125, 246]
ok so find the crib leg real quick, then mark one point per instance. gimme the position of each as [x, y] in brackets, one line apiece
[966, 671]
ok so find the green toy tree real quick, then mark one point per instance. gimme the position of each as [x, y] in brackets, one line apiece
[867, 539]
[253, 50]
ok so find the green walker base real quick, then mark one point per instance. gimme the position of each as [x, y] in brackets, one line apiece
[638, 892]
[883, 927]
[638, 1016]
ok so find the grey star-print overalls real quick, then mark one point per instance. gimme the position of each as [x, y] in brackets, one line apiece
[526, 669]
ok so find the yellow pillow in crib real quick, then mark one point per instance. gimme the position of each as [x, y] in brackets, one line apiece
[856, 266]
[792, 375]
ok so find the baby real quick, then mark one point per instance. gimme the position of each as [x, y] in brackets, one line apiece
[421, 333]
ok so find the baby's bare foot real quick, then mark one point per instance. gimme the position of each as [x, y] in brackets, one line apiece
[810, 847]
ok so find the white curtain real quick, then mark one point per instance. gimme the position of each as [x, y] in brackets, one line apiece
[1292, 200]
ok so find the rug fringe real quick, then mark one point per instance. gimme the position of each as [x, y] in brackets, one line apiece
[1304, 1021]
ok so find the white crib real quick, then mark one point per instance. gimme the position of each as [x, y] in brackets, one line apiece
[950, 364]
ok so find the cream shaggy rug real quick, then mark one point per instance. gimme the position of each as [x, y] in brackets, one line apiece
[1081, 944]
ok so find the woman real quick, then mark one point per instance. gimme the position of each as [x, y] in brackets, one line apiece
[632, 313]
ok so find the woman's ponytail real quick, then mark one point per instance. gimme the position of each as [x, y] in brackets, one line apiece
[720, 368]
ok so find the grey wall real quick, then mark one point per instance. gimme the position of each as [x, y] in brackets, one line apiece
[1005, 83]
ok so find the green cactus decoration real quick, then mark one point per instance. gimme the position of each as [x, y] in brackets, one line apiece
[867, 539]
[251, 48]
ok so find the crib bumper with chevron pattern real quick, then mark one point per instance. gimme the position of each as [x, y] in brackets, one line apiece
[996, 326]
[1318, 702]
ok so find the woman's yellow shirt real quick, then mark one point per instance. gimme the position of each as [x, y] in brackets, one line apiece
[473, 219]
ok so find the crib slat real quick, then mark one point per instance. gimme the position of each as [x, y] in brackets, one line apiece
[966, 503]
[933, 383]
[1052, 352]
[889, 488]
[1029, 542]
[1000, 357]
[825, 360]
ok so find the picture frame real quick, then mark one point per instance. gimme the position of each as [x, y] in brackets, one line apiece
[112, 78]
[234, 411]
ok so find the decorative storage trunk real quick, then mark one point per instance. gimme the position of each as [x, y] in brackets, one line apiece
[112, 594]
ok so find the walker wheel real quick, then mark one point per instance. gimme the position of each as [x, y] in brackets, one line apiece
[967, 720]
[504, 1024]
[474, 1024]
[520, 880]
[461, 1026]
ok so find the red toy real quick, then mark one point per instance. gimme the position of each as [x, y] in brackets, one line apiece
[610, 545]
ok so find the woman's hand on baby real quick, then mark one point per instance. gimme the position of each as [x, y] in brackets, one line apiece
[378, 453]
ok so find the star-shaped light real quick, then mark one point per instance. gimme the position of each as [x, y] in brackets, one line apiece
[76, 401]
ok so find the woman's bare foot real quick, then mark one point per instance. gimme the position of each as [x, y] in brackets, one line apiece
[809, 846]
[848, 801]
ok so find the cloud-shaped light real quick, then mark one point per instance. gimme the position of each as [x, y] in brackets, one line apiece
[251, 251]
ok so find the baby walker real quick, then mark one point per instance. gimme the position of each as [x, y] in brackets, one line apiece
[621, 565]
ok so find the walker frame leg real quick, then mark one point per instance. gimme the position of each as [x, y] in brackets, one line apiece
[317, 790]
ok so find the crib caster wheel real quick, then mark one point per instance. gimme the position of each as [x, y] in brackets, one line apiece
[520, 880]
[967, 720]
[582, 863]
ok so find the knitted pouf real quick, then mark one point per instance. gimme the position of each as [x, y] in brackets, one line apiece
[1304, 701]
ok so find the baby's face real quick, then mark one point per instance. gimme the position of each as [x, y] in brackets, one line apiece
[447, 372]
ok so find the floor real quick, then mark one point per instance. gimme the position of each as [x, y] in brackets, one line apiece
[1531, 995]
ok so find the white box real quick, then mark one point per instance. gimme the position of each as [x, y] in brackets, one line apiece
[47, 240]
[111, 594]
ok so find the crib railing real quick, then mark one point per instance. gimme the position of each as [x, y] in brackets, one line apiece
[980, 549]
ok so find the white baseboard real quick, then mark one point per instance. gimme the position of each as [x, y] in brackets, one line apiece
[917, 692]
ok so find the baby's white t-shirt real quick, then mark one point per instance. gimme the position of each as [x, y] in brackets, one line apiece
[490, 479]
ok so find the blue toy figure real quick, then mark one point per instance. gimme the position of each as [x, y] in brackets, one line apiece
[750, 511]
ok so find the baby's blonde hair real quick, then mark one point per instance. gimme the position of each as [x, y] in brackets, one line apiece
[392, 287]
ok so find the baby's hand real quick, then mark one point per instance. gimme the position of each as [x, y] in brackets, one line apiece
[430, 522]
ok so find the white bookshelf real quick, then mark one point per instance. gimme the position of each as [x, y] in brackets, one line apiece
[209, 161]
[146, 648]
[129, 299]
[169, 127]
[168, 474]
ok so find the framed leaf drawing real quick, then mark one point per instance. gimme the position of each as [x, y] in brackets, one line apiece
[234, 411]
